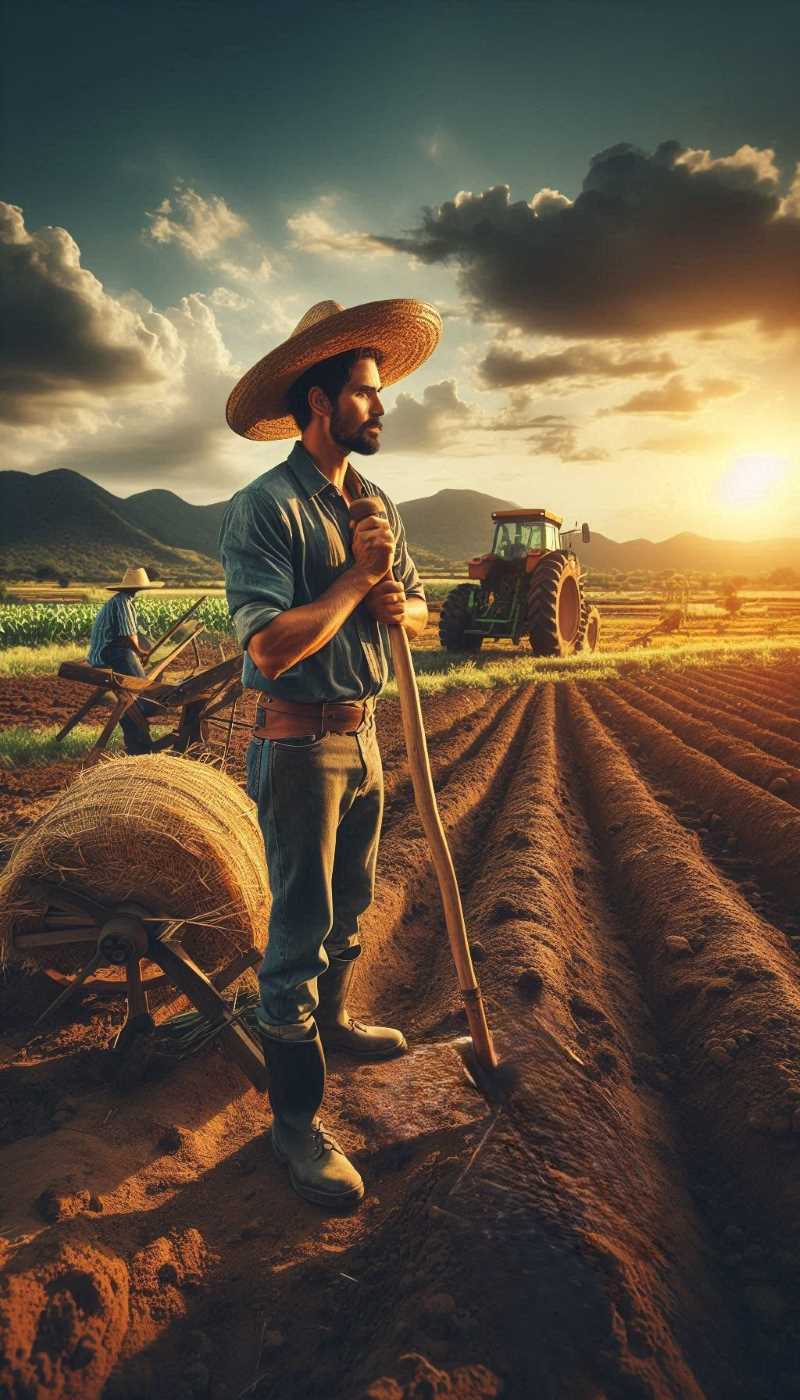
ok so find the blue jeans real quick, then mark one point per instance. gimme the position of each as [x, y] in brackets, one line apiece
[124, 659]
[320, 807]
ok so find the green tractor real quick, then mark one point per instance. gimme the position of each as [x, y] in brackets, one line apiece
[529, 584]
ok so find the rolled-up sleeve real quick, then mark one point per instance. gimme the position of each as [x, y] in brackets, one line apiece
[404, 569]
[255, 546]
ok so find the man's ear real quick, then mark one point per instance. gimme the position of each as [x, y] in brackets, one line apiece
[319, 402]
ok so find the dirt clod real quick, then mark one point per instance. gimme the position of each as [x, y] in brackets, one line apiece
[530, 982]
[677, 945]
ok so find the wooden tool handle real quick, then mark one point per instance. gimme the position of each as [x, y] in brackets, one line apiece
[425, 798]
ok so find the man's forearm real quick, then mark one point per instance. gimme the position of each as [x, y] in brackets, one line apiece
[416, 619]
[299, 632]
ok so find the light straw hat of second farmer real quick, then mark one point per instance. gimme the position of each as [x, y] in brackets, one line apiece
[404, 330]
[134, 578]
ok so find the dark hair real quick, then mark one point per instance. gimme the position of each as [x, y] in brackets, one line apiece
[330, 375]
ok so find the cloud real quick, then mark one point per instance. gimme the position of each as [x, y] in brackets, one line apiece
[426, 425]
[681, 443]
[260, 272]
[198, 225]
[557, 436]
[653, 243]
[312, 232]
[504, 369]
[676, 396]
[227, 300]
[184, 433]
[66, 342]
[202, 226]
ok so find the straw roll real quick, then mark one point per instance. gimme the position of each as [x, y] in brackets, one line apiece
[174, 835]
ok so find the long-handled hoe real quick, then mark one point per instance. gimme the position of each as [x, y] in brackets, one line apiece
[477, 1051]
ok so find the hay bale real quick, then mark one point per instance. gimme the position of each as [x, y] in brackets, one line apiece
[172, 834]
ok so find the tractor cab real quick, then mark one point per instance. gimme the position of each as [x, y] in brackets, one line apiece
[518, 535]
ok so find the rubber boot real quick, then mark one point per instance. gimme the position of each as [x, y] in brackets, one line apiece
[318, 1168]
[340, 1030]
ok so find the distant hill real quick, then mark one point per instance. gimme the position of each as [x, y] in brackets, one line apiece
[176, 522]
[63, 519]
[687, 551]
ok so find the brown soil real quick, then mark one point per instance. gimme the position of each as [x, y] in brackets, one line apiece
[622, 1223]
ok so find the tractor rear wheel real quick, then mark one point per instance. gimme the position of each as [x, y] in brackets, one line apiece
[590, 628]
[554, 605]
[455, 617]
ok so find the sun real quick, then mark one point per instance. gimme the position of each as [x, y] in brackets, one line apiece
[751, 480]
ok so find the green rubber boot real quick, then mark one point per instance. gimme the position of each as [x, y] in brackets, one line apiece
[340, 1030]
[318, 1168]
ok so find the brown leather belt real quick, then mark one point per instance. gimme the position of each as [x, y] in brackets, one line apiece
[296, 719]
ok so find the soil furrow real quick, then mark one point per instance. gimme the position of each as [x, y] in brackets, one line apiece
[744, 759]
[722, 987]
[448, 747]
[724, 698]
[728, 722]
[546, 936]
[767, 828]
[766, 688]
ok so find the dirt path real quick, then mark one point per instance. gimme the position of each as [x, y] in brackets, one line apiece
[623, 1224]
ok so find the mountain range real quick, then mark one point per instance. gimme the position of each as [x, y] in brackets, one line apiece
[63, 519]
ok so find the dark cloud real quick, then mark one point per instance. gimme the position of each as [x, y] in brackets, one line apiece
[676, 396]
[653, 243]
[425, 425]
[506, 369]
[65, 341]
[556, 436]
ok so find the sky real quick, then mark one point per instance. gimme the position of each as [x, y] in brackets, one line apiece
[602, 197]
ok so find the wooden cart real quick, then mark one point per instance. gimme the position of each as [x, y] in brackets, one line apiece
[196, 699]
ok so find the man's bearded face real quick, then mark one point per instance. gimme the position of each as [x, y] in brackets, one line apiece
[356, 417]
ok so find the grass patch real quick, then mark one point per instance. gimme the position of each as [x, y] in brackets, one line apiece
[439, 671]
[38, 661]
[21, 747]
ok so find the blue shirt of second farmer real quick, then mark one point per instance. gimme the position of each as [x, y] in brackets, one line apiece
[284, 539]
[115, 620]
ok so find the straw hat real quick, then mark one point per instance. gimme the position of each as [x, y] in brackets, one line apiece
[404, 330]
[134, 578]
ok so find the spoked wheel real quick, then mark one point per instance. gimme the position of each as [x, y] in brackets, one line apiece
[124, 937]
[554, 605]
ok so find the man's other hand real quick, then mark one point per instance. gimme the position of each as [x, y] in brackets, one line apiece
[373, 546]
[386, 601]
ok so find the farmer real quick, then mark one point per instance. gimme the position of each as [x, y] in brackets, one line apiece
[308, 594]
[116, 642]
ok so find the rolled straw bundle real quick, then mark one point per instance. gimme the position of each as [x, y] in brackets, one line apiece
[174, 835]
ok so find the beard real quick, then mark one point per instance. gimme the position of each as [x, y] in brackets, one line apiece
[358, 440]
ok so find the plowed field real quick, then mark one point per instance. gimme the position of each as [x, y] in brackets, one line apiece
[623, 1221]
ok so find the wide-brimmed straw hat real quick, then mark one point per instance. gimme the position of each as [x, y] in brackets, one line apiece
[134, 578]
[405, 331]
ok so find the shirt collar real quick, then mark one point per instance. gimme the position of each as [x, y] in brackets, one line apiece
[308, 475]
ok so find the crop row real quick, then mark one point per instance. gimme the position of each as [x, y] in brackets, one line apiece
[40, 624]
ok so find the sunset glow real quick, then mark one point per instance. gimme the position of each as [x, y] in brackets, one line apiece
[753, 480]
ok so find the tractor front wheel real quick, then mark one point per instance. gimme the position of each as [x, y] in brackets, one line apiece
[454, 619]
[554, 605]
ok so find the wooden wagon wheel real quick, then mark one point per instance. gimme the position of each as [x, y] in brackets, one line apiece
[124, 936]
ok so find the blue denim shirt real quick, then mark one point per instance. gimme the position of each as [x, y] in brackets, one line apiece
[284, 540]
